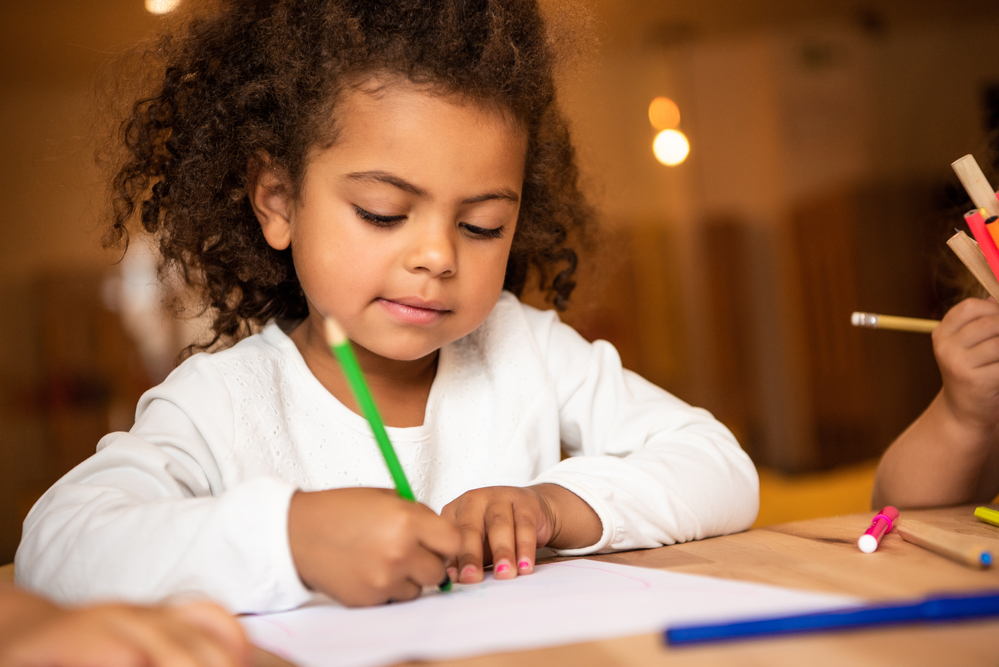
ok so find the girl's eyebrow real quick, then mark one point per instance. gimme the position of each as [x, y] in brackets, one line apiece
[406, 186]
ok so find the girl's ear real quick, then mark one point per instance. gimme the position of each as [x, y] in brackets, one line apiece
[269, 196]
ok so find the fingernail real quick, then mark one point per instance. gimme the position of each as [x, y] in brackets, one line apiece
[502, 567]
[524, 565]
[452, 572]
[468, 571]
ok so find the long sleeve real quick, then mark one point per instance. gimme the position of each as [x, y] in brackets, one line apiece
[195, 497]
[655, 470]
[150, 515]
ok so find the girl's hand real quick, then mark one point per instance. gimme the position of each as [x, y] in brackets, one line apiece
[368, 546]
[950, 454]
[504, 525]
[966, 345]
[119, 635]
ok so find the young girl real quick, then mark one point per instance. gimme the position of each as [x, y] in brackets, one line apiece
[950, 454]
[402, 167]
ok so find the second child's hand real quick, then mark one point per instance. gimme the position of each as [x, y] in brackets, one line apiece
[504, 525]
[949, 455]
[34, 631]
[966, 345]
[366, 546]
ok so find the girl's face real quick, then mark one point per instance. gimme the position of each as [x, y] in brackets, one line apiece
[403, 227]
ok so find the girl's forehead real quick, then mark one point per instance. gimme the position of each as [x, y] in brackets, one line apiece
[444, 145]
[386, 93]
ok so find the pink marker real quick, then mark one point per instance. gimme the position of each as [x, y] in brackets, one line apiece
[980, 229]
[880, 526]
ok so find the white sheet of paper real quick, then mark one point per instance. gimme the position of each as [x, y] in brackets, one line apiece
[560, 603]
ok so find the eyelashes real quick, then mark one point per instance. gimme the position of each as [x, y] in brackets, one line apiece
[482, 232]
[392, 220]
[378, 220]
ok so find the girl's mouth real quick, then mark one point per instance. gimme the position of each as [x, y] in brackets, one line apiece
[414, 311]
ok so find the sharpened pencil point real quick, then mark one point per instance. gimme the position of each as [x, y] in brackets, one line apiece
[334, 333]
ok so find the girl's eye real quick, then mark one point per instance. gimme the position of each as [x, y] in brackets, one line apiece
[378, 220]
[483, 232]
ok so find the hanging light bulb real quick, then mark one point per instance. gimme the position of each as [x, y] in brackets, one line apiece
[664, 114]
[671, 147]
[161, 6]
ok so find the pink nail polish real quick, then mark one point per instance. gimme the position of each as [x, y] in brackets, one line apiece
[524, 564]
[502, 568]
[468, 571]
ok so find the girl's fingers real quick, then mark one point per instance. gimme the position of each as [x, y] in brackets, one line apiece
[502, 539]
[405, 590]
[469, 563]
[201, 649]
[169, 641]
[983, 355]
[965, 312]
[526, 525]
[499, 525]
[978, 331]
[426, 568]
[452, 569]
[218, 623]
[438, 533]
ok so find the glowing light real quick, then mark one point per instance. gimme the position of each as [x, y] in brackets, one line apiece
[664, 114]
[671, 147]
[161, 6]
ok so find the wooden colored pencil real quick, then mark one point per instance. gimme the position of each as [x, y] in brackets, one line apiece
[876, 321]
[340, 346]
[972, 257]
[965, 549]
[976, 184]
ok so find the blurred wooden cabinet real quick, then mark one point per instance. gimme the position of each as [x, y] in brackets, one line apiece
[69, 374]
[768, 346]
[804, 388]
[92, 372]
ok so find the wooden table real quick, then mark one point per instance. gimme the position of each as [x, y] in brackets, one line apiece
[816, 555]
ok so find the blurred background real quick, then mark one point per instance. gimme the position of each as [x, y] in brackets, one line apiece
[817, 183]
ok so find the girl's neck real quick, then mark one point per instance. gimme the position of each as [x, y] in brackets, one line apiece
[400, 388]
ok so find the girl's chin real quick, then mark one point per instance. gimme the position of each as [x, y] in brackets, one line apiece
[403, 354]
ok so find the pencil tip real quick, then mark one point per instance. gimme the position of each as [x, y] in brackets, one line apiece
[334, 333]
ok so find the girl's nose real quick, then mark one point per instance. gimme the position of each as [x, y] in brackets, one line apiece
[433, 251]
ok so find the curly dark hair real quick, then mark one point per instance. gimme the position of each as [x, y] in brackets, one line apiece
[262, 77]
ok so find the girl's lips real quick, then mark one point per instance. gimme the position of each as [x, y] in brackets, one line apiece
[414, 312]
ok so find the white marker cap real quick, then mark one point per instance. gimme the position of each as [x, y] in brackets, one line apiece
[868, 544]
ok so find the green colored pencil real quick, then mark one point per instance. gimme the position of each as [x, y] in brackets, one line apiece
[344, 353]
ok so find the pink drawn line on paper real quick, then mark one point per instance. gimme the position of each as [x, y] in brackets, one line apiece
[605, 571]
[277, 624]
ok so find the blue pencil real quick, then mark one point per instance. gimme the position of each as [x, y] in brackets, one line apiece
[933, 609]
